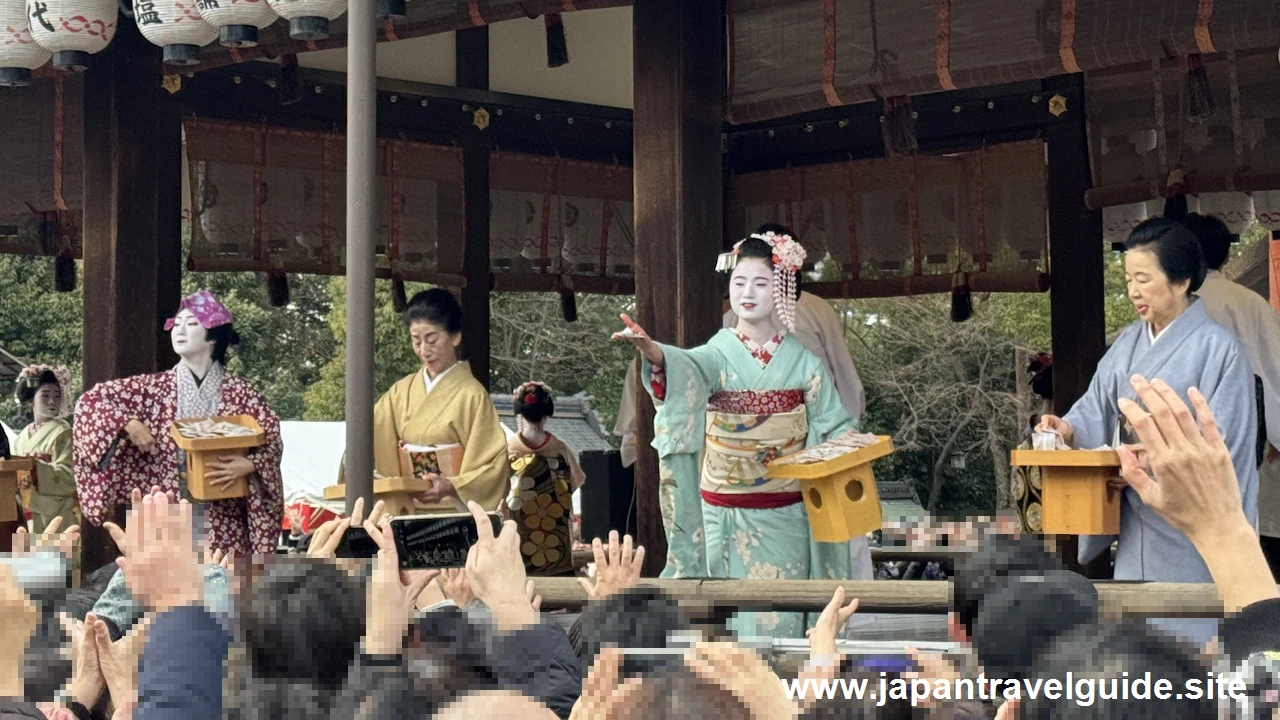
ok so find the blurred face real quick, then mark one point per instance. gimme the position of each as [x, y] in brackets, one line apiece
[189, 337]
[434, 346]
[1157, 300]
[751, 290]
[48, 402]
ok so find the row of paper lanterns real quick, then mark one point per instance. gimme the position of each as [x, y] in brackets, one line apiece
[69, 31]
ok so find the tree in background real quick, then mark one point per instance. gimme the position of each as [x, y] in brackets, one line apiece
[37, 324]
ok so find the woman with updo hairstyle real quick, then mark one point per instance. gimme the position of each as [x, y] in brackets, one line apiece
[123, 440]
[1175, 346]
[438, 405]
[727, 409]
[546, 474]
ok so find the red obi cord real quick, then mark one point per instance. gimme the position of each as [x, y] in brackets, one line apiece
[752, 501]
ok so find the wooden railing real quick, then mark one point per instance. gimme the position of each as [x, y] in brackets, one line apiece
[909, 597]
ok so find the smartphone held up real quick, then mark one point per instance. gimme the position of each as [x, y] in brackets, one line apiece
[423, 542]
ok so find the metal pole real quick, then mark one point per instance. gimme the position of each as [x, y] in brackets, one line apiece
[362, 78]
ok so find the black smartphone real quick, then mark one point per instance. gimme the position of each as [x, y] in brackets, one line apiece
[356, 543]
[437, 541]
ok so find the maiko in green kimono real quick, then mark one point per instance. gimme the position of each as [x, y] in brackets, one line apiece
[753, 393]
[50, 491]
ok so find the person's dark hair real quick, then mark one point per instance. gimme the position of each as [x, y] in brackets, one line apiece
[638, 617]
[1175, 248]
[1214, 236]
[678, 694]
[304, 621]
[278, 699]
[1102, 653]
[535, 404]
[448, 656]
[27, 393]
[223, 337]
[865, 708]
[437, 307]
[1022, 617]
[99, 579]
[983, 571]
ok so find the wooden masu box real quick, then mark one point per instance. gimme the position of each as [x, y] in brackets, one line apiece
[1075, 498]
[840, 494]
[395, 493]
[202, 451]
[9, 470]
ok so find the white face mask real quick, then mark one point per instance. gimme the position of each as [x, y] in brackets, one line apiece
[751, 290]
[189, 337]
[47, 404]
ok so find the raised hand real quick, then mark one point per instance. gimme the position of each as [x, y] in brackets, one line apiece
[496, 572]
[822, 636]
[392, 595]
[617, 567]
[634, 334]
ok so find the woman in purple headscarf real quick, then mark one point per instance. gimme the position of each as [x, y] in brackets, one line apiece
[122, 440]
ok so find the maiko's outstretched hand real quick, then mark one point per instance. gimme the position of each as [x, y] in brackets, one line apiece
[636, 335]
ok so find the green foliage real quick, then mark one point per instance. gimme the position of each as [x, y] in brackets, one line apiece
[37, 324]
[393, 356]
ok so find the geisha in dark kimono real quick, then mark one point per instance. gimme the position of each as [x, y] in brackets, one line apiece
[1174, 341]
[122, 439]
[546, 474]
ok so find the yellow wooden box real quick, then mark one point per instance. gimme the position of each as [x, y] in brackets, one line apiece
[202, 451]
[840, 494]
[396, 494]
[1075, 498]
[9, 470]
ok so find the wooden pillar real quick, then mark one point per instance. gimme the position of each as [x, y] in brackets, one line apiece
[679, 207]
[472, 56]
[132, 215]
[1076, 268]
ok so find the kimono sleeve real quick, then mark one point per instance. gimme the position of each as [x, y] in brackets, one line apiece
[56, 477]
[100, 417]
[265, 502]
[1089, 416]
[827, 415]
[680, 391]
[1235, 411]
[485, 476]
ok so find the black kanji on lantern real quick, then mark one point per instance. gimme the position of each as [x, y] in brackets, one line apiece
[37, 13]
[146, 14]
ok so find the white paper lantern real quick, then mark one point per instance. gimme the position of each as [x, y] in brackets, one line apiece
[72, 29]
[176, 26]
[309, 19]
[238, 21]
[19, 54]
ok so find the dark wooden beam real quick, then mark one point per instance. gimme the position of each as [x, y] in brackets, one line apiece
[472, 73]
[1076, 269]
[679, 204]
[132, 210]
[415, 111]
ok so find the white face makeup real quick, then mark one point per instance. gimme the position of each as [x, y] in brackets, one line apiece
[751, 290]
[188, 336]
[47, 403]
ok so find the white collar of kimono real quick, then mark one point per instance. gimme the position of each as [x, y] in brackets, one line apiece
[431, 384]
[1153, 336]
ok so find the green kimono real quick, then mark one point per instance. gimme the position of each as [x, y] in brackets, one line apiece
[725, 410]
[53, 493]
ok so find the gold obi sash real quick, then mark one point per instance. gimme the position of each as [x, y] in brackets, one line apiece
[738, 448]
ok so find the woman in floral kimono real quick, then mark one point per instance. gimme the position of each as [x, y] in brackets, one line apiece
[122, 439]
[547, 474]
[50, 491]
[725, 410]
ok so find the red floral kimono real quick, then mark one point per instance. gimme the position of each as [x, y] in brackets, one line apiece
[243, 525]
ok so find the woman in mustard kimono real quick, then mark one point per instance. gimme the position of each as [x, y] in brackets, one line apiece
[727, 409]
[51, 492]
[546, 475]
[442, 404]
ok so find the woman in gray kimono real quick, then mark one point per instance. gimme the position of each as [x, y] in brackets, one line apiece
[1175, 341]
